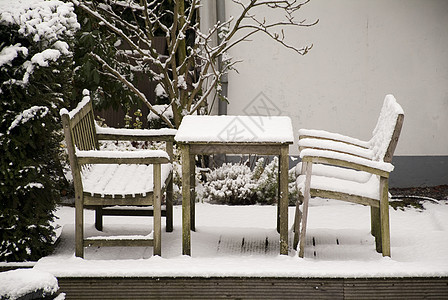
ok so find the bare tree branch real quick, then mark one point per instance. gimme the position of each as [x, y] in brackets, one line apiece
[129, 85]
[188, 73]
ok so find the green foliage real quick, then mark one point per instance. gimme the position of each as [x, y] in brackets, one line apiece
[25, 237]
[138, 124]
[106, 91]
[31, 94]
[124, 47]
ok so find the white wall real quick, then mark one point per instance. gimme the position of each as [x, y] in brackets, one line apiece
[363, 50]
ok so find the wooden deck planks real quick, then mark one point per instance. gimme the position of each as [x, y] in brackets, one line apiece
[254, 288]
[248, 245]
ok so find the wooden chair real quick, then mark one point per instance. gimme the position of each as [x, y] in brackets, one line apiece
[344, 168]
[117, 182]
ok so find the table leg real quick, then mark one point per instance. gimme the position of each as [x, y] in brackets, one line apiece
[283, 201]
[186, 201]
[278, 196]
[169, 191]
[192, 193]
[157, 211]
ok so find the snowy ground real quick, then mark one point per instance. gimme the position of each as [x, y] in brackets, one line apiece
[242, 241]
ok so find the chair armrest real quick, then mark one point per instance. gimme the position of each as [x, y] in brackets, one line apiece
[324, 144]
[164, 134]
[122, 157]
[346, 160]
[326, 135]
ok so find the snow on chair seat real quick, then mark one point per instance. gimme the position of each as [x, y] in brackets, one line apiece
[120, 181]
[344, 168]
[334, 172]
[368, 189]
[105, 179]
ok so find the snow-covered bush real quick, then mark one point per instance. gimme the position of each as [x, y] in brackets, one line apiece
[230, 184]
[266, 176]
[35, 76]
[237, 184]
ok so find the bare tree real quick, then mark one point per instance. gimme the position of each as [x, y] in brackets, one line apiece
[187, 73]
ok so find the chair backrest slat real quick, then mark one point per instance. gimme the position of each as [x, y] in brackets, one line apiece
[84, 143]
[91, 131]
[79, 130]
[394, 141]
[82, 127]
[387, 130]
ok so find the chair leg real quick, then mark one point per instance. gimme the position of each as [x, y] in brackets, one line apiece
[192, 193]
[169, 191]
[99, 218]
[169, 206]
[296, 226]
[306, 198]
[298, 215]
[384, 216]
[157, 210]
[278, 198]
[376, 227]
[79, 227]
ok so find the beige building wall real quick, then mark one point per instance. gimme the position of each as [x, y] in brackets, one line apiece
[363, 50]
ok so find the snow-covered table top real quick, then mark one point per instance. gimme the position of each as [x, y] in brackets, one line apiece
[235, 129]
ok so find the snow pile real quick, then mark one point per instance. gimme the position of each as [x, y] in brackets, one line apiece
[22, 282]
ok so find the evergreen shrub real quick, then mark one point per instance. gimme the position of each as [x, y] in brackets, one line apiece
[35, 83]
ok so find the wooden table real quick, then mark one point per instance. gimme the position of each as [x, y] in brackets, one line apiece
[259, 135]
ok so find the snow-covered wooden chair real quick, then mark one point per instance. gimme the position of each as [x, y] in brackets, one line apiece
[339, 167]
[117, 182]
